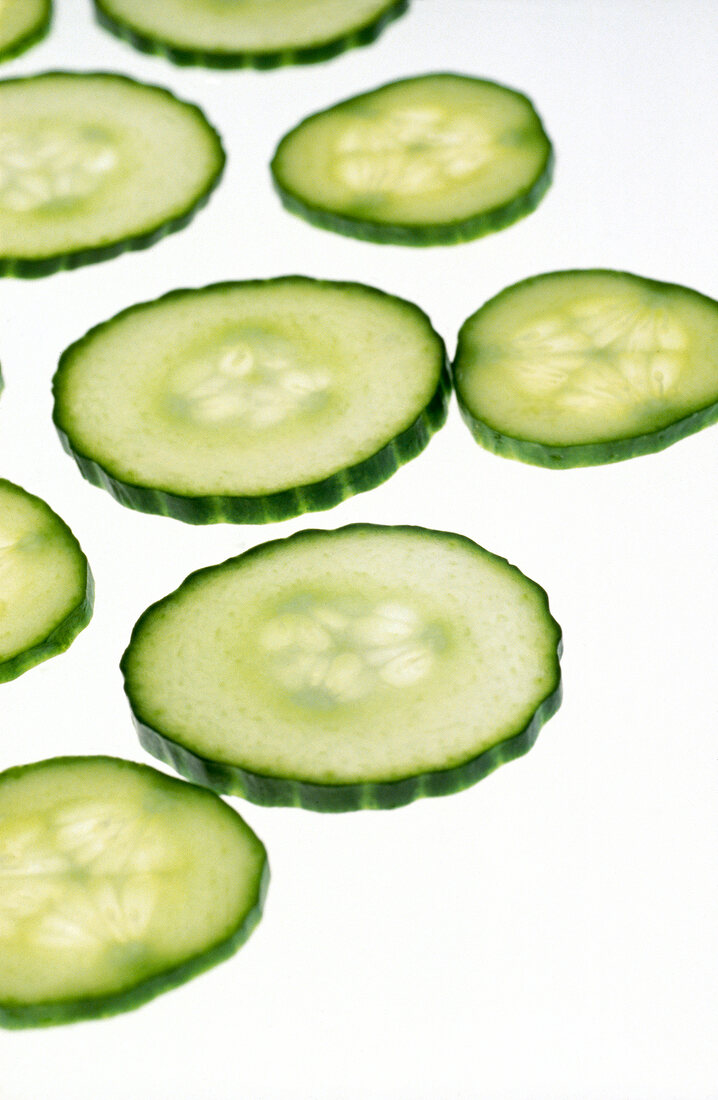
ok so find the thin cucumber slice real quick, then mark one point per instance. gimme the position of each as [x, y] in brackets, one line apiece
[338, 670]
[577, 368]
[46, 587]
[116, 883]
[248, 33]
[251, 402]
[22, 24]
[95, 164]
[430, 160]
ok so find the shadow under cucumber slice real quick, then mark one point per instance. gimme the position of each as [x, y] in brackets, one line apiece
[252, 402]
[252, 34]
[46, 587]
[118, 883]
[430, 160]
[339, 670]
[578, 368]
[95, 164]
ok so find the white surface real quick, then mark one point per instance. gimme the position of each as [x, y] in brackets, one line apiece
[552, 933]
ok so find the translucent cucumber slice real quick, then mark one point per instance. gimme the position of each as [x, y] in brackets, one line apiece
[433, 159]
[46, 588]
[576, 368]
[22, 24]
[116, 883]
[258, 33]
[338, 670]
[94, 164]
[251, 402]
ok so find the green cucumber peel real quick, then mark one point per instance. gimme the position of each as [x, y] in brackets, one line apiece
[644, 374]
[406, 437]
[226, 772]
[98, 909]
[110, 16]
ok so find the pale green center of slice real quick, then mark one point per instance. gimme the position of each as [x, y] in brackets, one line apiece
[50, 165]
[325, 652]
[590, 355]
[81, 876]
[411, 150]
[259, 380]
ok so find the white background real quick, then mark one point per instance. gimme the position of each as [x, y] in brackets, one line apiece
[552, 933]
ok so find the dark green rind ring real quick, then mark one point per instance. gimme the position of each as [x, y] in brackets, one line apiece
[249, 59]
[15, 1016]
[29, 37]
[63, 633]
[266, 790]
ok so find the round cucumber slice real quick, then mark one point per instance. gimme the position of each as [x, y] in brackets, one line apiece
[95, 164]
[251, 402]
[430, 160]
[116, 884]
[247, 32]
[46, 588]
[576, 368]
[22, 24]
[338, 670]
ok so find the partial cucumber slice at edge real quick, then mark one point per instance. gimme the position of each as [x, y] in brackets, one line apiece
[33, 1011]
[249, 58]
[29, 35]
[95, 251]
[61, 634]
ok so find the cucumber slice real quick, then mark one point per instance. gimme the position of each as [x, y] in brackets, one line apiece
[246, 33]
[116, 884]
[22, 24]
[576, 368]
[251, 402]
[94, 164]
[46, 588]
[433, 159]
[338, 670]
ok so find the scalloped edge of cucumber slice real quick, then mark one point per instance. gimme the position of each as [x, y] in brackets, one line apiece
[248, 59]
[280, 790]
[418, 235]
[63, 634]
[30, 36]
[597, 453]
[17, 1016]
[27, 267]
[286, 503]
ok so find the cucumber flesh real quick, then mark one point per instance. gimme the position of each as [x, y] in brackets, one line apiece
[92, 164]
[247, 32]
[116, 883]
[22, 24]
[429, 160]
[582, 367]
[254, 401]
[362, 667]
[46, 588]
